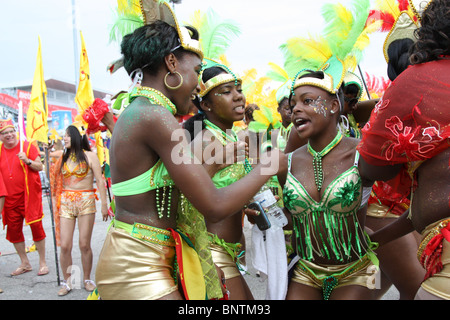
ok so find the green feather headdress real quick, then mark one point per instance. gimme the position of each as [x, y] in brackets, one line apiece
[127, 18]
[338, 49]
[217, 34]
[265, 120]
[132, 14]
[278, 74]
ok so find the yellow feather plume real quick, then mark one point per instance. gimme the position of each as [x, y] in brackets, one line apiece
[342, 17]
[388, 6]
[277, 73]
[309, 48]
[259, 91]
[128, 6]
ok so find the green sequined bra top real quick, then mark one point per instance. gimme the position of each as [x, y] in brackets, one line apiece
[328, 228]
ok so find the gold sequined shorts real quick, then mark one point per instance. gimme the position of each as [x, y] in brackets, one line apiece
[360, 273]
[136, 265]
[376, 210]
[76, 203]
[224, 261]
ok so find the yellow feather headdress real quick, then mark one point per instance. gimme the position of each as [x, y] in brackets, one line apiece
[132, 14]
[278, 74]
[338, 49]
[216, 36]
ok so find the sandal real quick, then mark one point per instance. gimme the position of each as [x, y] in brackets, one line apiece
[43, 271]
[21, 270]
[89, 285]
[65, 289]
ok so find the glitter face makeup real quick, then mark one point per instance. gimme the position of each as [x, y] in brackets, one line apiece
[319, 106]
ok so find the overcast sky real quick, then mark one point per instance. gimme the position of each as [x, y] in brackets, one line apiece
[265, 25]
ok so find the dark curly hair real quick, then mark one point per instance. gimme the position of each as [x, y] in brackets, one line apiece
[434, 34]
[148, 45]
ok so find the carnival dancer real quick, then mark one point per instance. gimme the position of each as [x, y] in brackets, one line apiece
[138, 256]
[411, 124]
[282, 96]
[345, 36]
[20, 170]
[390, 199]
[323, 191]
[223, 103]
[73, 177]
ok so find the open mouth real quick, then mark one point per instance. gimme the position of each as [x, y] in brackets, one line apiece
[240, 109]
[300, 123]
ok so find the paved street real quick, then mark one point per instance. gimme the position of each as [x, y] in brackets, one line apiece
[30, 286]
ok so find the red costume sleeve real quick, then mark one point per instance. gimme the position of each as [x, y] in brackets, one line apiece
[33, 193]
[412, 120]
[3, 191]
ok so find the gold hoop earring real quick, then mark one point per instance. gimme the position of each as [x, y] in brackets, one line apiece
[178, 86]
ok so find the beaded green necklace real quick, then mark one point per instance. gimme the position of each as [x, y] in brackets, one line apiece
[224, 138]
[317, 159]
[155, 97]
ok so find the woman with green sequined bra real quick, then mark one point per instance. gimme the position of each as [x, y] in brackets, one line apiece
[323, 192]
[152, 169]
[222, 103]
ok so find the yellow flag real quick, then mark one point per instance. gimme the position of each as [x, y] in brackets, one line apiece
[85, 97]
[100, 148]
[37, 127]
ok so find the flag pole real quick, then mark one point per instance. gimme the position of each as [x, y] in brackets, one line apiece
[21, 131]
[47, 169]
[75, 43]
[364, 82]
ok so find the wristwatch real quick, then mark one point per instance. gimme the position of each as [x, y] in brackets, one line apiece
[29, 163]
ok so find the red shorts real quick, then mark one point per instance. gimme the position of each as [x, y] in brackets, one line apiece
[15, 216]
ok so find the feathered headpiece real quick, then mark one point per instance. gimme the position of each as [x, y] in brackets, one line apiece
[337, 50]
[278, 74]
[397, 18]
[132, 14]
[376, 85]
[351, 78]
[257, 90]
[216, 36]
[265, 118]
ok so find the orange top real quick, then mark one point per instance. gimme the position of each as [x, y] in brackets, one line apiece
[80, 171]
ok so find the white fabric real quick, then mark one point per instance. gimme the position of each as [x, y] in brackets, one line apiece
[268, 251]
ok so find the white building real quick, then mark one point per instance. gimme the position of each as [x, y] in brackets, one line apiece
[60, 100]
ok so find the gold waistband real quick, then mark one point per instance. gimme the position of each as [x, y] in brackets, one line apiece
[429, 233]
[147, 233]
[337, 272]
